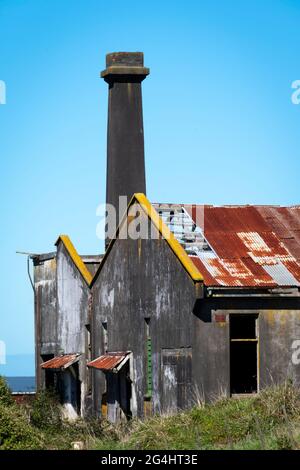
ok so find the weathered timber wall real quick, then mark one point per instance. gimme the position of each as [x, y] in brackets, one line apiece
[73, 315]
[278, 328]
[45, 312]
[141, 279]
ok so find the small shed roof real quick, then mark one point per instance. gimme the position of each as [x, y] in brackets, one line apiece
[61, 362]
[109, 361]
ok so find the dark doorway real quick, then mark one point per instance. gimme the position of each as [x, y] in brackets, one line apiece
[68, 388]
[125, 390]
[243, 353]
[119, 394]
[50, 378]
[71, 387]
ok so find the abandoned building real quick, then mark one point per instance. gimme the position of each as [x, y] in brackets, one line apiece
[62, 319]
[208, 304]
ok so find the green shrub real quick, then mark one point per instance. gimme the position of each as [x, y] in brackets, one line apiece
[15, 430]
[46, 411]
[5, 393]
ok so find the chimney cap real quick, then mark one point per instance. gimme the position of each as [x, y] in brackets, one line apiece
[125, 58]
[125, 63]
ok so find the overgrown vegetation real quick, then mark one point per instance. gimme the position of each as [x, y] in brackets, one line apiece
[15, 429]
[270, 420]
[41, 425]
[45, 411]
[5, 393]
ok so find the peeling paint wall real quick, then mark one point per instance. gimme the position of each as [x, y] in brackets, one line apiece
[63, 305]
[278, 331]
[72, 301]
[72, 310]
[45, 312]
[142, 279]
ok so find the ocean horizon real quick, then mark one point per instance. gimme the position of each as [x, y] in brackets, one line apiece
[21, 383]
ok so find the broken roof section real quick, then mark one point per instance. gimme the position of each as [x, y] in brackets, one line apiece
[239, 246]
[227, 246]
[110, 362]
[60, 362]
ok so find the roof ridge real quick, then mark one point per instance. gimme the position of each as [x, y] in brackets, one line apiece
[76, 258]
[175, 246]
[229, 206]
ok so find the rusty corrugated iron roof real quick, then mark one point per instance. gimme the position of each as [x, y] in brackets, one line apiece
[239, 246]
[108, 361]
[61, 362]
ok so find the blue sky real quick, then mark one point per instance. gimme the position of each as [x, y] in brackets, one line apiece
[220, 126]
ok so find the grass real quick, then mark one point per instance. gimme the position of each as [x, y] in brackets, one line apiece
[270, 420]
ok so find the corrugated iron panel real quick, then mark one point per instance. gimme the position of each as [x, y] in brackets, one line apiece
[255, 243]
[281, 275]
[209, 279]
[61, 362]
[108, 361]
[285, 222]
[233, 273]
[252, 245]
[226, 244]
[288, 216]
[294, 268]
[234, 219]
[293, 244]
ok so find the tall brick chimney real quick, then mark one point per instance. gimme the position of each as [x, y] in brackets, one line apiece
[125, 134]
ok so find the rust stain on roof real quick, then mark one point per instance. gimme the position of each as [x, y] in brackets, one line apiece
[108, 361]
[243, 246]
[61, 362]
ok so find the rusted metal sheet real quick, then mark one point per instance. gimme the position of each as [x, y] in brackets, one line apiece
[231, 273]
[61, 362]
[108, 361]
[241, 246]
